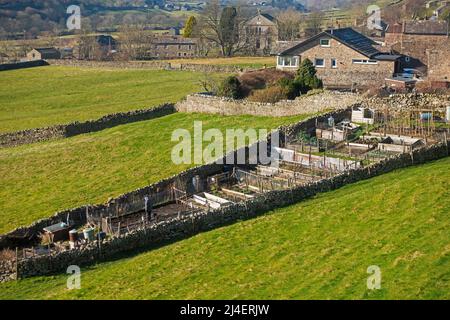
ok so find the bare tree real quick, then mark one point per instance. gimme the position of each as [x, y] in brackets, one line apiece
[289, 25]
[229, 38]
[313, 23]
[134, 42]
[88, 47]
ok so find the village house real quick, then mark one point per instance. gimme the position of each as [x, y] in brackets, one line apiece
[261, 32]
[343, 58]
[412, 39]
[173, 47]
[43, 54]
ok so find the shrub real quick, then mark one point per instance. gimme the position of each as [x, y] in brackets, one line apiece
[306, 78]
[269, 95]
[230, 88]
[261, 79]
[291, 87]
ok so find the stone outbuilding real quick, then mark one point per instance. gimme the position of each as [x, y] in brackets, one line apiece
[43, 54]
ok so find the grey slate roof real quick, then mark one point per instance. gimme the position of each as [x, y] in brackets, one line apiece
[350, 38]
[45, 51]
[268, 16]
[49, 53]
[420, 27]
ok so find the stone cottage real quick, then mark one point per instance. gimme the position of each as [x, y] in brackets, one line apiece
[343, 58]
[169, 47]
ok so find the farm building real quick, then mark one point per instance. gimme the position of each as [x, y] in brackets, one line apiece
[43, 54]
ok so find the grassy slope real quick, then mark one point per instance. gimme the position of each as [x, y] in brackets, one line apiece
[52, 95]
[319, 249]
[37, 180]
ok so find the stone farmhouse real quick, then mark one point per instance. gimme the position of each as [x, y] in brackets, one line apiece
[261, 32]
[412, 39]
[43, 54]
[344, 58]
[173, 47]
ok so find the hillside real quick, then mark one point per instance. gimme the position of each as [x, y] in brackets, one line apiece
[318, 249]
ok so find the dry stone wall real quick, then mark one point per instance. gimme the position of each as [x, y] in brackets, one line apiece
[410, 101]
[327, 100]
[151, 65]
[22, 65]
[72, 129]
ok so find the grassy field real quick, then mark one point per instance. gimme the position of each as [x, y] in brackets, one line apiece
[318, 249]
[52, 95]
[39, 179]
[249, 62]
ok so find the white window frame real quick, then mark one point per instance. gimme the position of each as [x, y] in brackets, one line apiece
[364, 61]
[325, 45]
[319, 66]
[335, 63]
[282, 61]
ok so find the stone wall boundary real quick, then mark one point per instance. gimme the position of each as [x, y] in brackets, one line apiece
[23, 65]
[307, 104]
[152, 65]
[12, 139]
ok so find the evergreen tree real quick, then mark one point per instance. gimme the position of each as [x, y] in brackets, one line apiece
[306, 78]
[191, 23]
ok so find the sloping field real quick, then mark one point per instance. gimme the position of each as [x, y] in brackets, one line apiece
[39, 179]
[318, 249]
[44, 96]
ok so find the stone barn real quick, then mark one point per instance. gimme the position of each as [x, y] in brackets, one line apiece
[43, 54]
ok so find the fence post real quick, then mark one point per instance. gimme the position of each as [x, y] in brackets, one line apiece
[17, 263]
